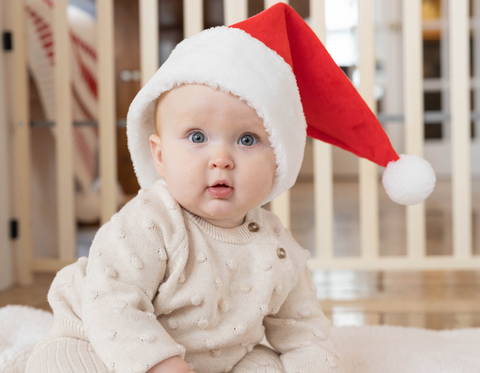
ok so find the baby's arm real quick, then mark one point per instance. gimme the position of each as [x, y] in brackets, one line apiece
[126, 266]
[300, 332]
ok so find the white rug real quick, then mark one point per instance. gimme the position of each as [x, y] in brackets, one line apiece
[395, 349]
[364, 349]
[21, 328]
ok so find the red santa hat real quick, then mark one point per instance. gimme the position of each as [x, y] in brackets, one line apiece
[276, 63]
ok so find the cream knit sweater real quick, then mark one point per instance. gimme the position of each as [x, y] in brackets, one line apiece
[160, 281]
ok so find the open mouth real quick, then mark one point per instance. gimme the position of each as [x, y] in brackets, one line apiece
[220, 189]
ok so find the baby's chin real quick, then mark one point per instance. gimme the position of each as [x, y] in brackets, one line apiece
[220, 212]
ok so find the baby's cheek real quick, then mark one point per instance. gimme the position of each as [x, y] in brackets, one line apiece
[265, 169]
[260, 182]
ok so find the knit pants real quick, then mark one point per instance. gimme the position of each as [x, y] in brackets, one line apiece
[70, 355]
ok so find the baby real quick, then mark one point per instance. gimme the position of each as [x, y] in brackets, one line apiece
[192, 273]
[215, 157]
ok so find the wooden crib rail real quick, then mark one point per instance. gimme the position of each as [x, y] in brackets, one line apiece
[235, 11]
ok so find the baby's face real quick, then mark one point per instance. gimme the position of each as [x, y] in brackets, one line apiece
[213, 152]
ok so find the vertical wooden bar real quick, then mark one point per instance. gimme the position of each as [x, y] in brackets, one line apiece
[6, 263]
[269, 3]
[281, 205]
[235, 11]
[476, 62]
[368, 178]
[24, 244]
[106, 104]
[63, 134]
[322, 162]
[149, 61]
[192, 17]
[413, 108]
[460, 127]
[445, 70]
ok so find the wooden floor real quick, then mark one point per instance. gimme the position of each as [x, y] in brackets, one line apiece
[433, 299]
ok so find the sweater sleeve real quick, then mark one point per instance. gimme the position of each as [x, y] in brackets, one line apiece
[126, 265]
[300, 332]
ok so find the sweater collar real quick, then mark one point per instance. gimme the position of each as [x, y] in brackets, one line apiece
[238, 235]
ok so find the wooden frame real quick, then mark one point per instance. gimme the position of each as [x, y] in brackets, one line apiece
[23, 246]
[235, 11]
[6, 262]
[64, 135]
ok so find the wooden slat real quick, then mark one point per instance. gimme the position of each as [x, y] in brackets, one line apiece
[63, 134]
[106, 104]
[235, 11]
[317, 18]
[6, 262]
[148, 11]
[394, 264]
[368, 179]
[323, 192]
[322, 162]
[280, 206]
[192, 17]
[460, 128]
[413, 107]
[23, 246]
[476, 65]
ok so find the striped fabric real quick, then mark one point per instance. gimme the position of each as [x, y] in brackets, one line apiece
[65, 355]
[41, 60]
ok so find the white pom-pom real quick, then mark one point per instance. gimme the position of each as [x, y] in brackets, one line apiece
[409, 180]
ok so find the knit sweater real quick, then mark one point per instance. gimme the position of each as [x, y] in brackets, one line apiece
[161, 281]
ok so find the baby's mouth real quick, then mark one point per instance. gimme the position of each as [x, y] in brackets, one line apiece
[220, 190]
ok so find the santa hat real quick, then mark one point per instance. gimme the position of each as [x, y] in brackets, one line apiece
[277, 64]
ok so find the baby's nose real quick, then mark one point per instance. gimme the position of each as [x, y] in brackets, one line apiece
[221, 160]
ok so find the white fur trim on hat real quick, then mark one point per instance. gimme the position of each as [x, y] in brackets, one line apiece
[233, 61]
[409, 180]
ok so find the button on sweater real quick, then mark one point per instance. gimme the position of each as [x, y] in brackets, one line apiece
[160, 281]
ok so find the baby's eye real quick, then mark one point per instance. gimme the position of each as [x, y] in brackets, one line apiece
[247, 140]
[197, 137]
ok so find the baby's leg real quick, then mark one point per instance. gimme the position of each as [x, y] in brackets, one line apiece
[64, 355]
[261, 359]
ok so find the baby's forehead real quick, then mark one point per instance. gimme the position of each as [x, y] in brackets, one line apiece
[202, 100]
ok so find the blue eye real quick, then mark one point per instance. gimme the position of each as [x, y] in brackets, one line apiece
[197, 137]
[247, 140]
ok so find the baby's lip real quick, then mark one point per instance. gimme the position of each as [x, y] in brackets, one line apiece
[220, 189]
[221, 182]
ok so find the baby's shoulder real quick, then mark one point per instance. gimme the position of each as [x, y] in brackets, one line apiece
[152, 212]
[271, 221]
[274, 226]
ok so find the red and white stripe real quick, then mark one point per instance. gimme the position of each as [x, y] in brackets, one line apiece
[84, 81]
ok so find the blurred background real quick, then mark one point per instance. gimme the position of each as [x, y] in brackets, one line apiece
[350, 296]
[341, 42]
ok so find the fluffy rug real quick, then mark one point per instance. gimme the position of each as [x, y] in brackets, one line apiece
[21, 328]
[395, 349]
[364, 349]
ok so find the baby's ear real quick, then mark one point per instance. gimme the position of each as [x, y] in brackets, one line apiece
[156, 148]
